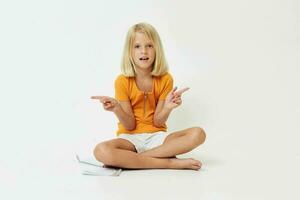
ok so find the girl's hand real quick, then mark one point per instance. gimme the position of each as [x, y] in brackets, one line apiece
[109, 103]
[173, 99]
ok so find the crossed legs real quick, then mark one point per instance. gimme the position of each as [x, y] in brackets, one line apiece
[121, 153]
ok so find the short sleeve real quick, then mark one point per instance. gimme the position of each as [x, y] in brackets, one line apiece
[167, 86]
[121, 88]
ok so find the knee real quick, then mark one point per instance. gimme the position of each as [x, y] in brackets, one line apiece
[198, 135]
[103, 153]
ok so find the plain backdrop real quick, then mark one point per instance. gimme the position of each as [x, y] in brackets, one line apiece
[241, 60]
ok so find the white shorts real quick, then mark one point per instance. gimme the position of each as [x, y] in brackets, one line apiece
[145, 141]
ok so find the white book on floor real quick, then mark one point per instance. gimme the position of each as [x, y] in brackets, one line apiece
[89, 166]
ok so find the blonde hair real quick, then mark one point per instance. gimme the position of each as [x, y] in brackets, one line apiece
[160, 66]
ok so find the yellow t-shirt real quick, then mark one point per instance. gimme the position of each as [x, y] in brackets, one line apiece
[143, 104]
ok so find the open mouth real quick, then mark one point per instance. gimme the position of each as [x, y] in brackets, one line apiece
[144, 58]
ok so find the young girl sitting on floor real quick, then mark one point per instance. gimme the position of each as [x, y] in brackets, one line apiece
[144, 99]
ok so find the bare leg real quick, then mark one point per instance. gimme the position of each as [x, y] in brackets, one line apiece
[178, 143]
[121, 153]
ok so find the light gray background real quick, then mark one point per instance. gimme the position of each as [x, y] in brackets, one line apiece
[240, 59]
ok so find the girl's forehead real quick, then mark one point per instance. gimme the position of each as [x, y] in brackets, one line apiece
[141, 37]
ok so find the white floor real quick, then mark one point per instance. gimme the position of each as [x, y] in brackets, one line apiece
[232, 169]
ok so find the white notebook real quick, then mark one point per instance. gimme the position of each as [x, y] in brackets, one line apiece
[89, 166]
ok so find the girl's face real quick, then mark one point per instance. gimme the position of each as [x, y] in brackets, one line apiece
[143, 52]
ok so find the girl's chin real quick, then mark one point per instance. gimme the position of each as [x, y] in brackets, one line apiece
[144, 66]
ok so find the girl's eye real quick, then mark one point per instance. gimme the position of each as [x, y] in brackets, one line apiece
[149, 46]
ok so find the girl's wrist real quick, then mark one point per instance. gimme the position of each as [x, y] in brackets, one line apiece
[117, 107]
[167, 109]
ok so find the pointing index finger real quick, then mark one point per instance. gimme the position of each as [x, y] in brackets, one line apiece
[101, 98]
[96, 97]
[179, 92]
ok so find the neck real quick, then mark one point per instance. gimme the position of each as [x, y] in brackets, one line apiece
[143, 74]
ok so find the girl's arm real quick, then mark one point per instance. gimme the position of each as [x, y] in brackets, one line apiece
[124, 113]
[122, 110]
[161, 114]
[164, 107]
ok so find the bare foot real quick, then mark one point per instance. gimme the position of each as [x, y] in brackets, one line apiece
[185, 163]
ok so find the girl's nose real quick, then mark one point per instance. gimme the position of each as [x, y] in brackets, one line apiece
[144, 49]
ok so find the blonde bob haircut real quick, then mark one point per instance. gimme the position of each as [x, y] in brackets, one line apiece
[160, 65]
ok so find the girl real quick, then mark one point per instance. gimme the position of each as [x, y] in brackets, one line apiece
[144, 98]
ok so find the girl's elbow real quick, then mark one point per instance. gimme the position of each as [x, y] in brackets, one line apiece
[157, 124]
[131, 127]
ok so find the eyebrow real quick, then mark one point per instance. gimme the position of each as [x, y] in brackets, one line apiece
[146, 43]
